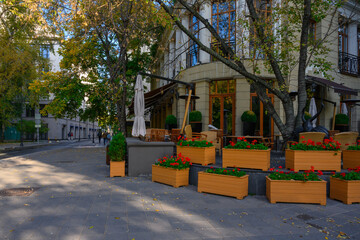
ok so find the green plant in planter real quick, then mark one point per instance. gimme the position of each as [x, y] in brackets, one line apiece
[249, 116]
[117, 147]
[171, 120]
[195, 116]
[341, 119]
[307, 115]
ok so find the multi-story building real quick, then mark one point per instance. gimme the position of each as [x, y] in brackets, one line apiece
[59, 127]
[225, 94]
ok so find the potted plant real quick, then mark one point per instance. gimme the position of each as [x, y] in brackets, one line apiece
[249, 123]
[307, 115]
[341, 122]
[244, 154]
[200, 152]
[170, 122]
[346, 186]
[322, 155]
[351, 156]
[195, 118]
[172, 171]
[295, 187]
[233, 183]
[116, 152]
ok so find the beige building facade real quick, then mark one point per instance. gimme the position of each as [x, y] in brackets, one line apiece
[224, 94]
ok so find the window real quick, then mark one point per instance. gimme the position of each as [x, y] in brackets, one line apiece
[348, 63]
[263, 8]
[223, 20]
[312, 30]
[30, 112]
[193, 54]
[343, 36]
[45, 51]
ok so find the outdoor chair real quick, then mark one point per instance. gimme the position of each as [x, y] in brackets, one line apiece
[175, 133]
[148, 135]
[212, 136]
[220, 135]
[346, 139]
[190, 134]
[314, 136]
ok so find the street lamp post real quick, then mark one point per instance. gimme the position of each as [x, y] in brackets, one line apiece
[93, 131]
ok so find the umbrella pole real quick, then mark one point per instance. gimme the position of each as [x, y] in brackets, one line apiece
[333, 123]
[186, 111]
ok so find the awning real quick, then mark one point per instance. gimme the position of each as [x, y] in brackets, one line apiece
[338, 88]
[153, 97]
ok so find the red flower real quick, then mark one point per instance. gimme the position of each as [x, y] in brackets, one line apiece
[210, 141]
[320, 173]
[302, 137]
[238, 169]
[346, 144]
[343, 174]
[280, 167]
[332, 173]
[291, 170]
[192, 139]
[271, 169]
[248, 146]
[207, 143]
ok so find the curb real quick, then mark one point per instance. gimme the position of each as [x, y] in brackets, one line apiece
[18, 148]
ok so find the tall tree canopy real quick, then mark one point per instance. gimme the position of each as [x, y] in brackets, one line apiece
[105, 44]
[273, 36]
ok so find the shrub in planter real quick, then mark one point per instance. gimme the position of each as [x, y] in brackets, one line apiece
[346, 186]
[296, 187]
[172, 171]
[200, 152]
[195, 118]
[322, 155]
[170, 122]
[226, 182]
[307, 115]
[244, 154]
[341, 122]
[116, 152]
[249, 123]
[351, 157]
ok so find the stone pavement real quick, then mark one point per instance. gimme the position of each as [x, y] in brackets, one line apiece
[77, 200]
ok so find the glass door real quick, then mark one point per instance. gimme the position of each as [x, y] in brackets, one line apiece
[264, 124]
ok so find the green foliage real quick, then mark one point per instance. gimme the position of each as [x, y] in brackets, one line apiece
[234, 172]
[176, 162]
[242, 143]
[117, 147]
[308, 175]
[354, 174]
[327, 145]
[195, 116]
[357, 147]
[185, 143]
[171, 119]
[249, 116]
[341, 119]
[307, 115]
[26, 126]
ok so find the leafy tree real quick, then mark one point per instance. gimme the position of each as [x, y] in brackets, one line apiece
[101, 54]
[283, 50]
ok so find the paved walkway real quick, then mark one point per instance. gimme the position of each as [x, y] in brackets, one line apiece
[77, 200]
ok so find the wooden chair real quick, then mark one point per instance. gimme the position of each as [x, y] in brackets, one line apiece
[268, 141]
[346, 139]
[314, 136]
[175, 133]
[333, 132]
[148, 135]
[212, 136]
[220, 135]
[190, 134]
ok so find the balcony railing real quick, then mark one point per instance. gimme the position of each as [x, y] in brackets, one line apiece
[349, 64]
[216, 47]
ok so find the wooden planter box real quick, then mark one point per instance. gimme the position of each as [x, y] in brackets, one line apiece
[346, 191]
[117, 168]
[245, 158]
[203, 156]
[296, 191]
[351, 159]
[170, 176]
[223, 184]
[321, 160]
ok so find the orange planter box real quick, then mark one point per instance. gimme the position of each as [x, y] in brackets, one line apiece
[223, 184]
[246, 158]
[320, 160]
[296, 191]
[351, 159]
[344, 190]
[117, 169]
[203, 156]
[170, 176]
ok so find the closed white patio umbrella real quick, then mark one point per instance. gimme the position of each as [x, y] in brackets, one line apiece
[139, 128]
[313, 111]
[344, 109]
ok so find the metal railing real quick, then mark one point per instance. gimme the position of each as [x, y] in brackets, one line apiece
[216, 47]
[349, 64]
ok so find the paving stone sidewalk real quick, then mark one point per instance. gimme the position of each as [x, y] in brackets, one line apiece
[77, 200]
